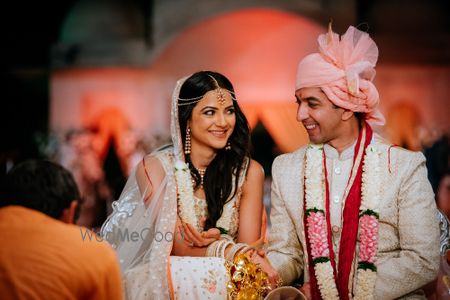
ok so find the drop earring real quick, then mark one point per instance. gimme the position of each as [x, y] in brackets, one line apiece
[228, 146]
[187, 144]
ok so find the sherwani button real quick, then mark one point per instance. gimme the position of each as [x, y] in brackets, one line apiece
[335, 229]
[336, 199]
[337, 170]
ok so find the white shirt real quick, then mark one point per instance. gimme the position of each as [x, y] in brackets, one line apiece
[338, 173]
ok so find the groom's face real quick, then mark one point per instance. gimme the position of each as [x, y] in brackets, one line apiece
[320, 117]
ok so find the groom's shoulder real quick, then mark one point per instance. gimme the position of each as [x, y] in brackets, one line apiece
[290, 159]
[396, 161]
[396, 153]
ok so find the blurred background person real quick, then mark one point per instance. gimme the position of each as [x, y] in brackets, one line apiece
[43, 255]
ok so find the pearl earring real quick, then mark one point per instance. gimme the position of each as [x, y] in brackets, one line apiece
[187, 144]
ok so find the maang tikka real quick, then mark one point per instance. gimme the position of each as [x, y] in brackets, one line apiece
[187, 143]
[220, 95]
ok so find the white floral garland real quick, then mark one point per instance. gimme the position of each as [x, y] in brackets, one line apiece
[369, 214]
[186, 201]
[368, 223]
[185, 194]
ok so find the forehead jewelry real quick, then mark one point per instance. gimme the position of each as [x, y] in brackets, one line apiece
[220, 95]
[221, 98]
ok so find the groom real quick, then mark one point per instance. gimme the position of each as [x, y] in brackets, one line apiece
[352, 216]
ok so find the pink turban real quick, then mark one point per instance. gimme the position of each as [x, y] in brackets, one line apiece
[344, 70]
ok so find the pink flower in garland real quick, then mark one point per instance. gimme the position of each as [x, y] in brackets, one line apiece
[317, 234]
[368, 233]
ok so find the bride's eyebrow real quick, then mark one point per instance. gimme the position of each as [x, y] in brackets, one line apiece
[209, 107]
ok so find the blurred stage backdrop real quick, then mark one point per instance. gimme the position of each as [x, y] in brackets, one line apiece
[88, 83]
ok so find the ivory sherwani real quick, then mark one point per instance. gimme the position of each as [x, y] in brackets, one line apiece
[408, 251]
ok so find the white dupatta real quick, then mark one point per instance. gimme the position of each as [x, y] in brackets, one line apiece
[143, 235]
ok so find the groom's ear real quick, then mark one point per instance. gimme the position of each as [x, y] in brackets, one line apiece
[347, 115]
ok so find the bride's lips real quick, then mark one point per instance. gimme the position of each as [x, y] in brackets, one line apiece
[219, 133]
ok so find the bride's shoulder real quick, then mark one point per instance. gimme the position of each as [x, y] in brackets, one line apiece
[151, 163]
[162, 152]
[255, 169]
[160, 159]
[150, 170]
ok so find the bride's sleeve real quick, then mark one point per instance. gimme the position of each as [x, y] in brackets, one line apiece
[149, 176]
[131, 227]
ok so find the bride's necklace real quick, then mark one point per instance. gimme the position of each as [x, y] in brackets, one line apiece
[201, 172]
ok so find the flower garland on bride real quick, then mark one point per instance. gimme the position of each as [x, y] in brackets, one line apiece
[318, 223]
[185, 193]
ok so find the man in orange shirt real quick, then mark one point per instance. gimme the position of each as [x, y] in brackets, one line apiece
[43, 255]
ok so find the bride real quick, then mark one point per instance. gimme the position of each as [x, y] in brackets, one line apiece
[190, 206]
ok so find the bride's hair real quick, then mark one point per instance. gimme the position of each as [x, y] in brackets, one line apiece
[218, 178]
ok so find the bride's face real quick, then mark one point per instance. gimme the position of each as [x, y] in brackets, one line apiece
[212, 121]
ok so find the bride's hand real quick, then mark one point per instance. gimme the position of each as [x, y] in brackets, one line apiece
[196, 239]
[212, 233]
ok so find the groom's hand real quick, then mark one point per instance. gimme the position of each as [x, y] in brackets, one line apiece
[306, 290]
[265, 265]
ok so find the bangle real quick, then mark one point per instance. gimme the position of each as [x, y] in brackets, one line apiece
[235, 249]
[279, 281]
[220, 245]
[245, 249]
[211, 249]
[224, 247]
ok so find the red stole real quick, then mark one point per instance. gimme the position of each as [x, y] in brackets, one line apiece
[347, 244]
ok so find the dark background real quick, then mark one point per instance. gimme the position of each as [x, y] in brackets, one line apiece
[413, 31]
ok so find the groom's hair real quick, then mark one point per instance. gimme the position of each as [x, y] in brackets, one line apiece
[40, 185]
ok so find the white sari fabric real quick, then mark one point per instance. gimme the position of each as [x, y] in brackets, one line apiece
[142, 236]
[139, 233]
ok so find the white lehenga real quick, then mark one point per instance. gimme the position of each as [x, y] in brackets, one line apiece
[205, 277]
[143, 235]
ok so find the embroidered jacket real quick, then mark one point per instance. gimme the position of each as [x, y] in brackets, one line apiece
[408, 252]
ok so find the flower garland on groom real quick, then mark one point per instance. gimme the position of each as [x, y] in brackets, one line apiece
[379, 227]
[351, 59]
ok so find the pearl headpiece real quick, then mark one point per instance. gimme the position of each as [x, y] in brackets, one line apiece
[219, 91]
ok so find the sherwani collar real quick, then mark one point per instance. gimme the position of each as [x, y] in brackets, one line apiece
[332, 153]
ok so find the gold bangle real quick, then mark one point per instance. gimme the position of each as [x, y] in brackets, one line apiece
[279, 281]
